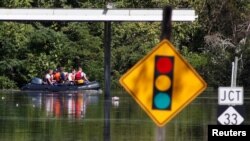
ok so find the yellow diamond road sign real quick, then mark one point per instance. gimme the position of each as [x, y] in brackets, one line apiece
[163, 83]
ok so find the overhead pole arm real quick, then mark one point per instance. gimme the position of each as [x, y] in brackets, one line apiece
[133, 15]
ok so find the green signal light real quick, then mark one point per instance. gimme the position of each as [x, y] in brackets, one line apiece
[162, 100]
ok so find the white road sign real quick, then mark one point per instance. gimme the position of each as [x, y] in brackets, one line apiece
[230, 117]
[230, 96]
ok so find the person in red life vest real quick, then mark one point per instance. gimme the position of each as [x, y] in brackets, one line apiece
[81, 77]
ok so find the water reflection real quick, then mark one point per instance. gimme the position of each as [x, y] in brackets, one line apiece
[66, 105]
[34, 116]
[85, 116]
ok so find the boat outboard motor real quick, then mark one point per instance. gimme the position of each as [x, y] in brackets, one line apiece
[36, 80]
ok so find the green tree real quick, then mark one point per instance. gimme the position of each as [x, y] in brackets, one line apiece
[224, 27]
[14, 39]
[210, 43]
[15, 3]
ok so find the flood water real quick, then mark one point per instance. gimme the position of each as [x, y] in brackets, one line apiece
[83, 116]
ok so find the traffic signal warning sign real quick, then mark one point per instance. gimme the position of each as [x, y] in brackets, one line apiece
[163, 83]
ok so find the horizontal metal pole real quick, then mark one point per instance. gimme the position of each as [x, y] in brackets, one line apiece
[93, 15]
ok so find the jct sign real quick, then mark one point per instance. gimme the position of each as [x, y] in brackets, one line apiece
[230, 96]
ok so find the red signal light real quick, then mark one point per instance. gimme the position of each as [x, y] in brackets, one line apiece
[164, 65]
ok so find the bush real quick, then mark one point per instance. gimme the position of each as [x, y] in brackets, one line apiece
[6, 83]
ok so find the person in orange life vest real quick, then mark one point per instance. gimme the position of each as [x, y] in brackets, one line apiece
[81, 77]
[57, 76]
[49, 77]
[60, 76]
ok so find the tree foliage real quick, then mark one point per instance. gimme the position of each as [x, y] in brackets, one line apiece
[210, 43]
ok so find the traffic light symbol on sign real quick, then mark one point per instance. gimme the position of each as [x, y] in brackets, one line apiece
[163, 82]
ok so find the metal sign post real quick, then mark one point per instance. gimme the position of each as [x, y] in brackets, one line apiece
[165, 34]
[230, 100]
